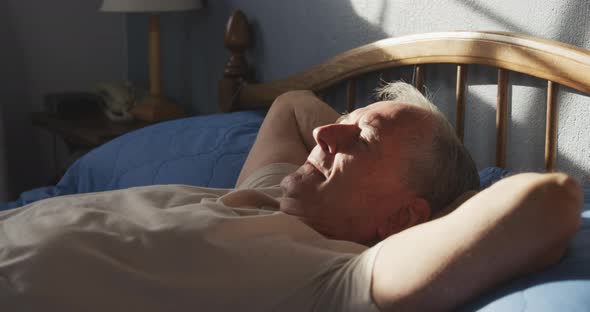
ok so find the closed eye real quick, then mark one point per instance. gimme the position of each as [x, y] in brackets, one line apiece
[363, 138]
[367, 132]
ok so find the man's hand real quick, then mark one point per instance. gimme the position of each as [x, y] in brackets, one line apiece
[286, 133]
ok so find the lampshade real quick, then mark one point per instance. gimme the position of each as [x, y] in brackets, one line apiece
[149, 5]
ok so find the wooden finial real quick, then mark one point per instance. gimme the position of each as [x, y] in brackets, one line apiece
[237, 40]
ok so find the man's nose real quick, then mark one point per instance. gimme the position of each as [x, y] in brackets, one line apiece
[335, 138]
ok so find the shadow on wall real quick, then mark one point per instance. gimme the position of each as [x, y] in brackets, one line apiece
[489, 12]
[19, 170]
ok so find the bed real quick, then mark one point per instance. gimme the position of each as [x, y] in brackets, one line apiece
[210, 150]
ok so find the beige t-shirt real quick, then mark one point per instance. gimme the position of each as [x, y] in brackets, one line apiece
[177, 248]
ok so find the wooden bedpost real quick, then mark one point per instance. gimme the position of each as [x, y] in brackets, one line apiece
[237, 40]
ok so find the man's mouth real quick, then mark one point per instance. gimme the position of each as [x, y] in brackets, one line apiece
[317, 170]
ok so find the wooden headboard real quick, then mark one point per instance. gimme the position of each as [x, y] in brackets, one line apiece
[556, 62]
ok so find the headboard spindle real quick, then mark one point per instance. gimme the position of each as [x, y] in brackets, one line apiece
[501, 114]
[350, 95]
[419, 77]
[460, 98]
[551, 126]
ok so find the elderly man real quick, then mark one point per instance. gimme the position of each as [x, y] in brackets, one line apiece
[373, 173]
[296, 233]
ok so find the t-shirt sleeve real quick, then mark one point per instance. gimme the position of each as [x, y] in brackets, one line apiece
[268, 176]
[348, 287]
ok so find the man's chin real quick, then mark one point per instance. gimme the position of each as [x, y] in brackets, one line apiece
[292, 207]
[286, 205]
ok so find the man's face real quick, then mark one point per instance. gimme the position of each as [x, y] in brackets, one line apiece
[351, 182]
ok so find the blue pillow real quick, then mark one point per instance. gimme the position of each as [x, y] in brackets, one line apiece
[204, 150]
[491, 175]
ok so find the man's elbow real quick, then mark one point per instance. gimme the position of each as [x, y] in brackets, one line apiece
[286, 103]
[568, 199]
[561, 201]
[291, 97]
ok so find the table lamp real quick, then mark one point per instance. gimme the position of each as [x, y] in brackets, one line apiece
[153, 107]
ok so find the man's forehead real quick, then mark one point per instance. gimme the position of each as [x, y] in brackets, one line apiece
[389, 105]
[387, 109]
[374, 107]
[383, 111]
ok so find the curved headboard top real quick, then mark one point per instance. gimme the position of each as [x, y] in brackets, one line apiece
[551, 60]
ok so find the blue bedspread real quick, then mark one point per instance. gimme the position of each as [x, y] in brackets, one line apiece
[210, 150]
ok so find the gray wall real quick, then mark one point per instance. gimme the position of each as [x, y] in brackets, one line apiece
[292, 35]
[49, 46]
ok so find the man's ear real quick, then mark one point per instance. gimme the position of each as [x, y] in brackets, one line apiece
[414, 212]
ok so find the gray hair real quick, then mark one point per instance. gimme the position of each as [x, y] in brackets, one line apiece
[443, 170]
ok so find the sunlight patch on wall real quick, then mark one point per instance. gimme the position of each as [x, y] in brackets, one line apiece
[480, 123]
[573, 143]
[371, 11]
[416, 16]
[528, 104]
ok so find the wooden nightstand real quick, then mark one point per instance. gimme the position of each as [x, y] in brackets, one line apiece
[81, 134]
[84, 131]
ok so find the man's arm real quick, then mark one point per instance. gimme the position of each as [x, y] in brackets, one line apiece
[521, 224]
[286, 133]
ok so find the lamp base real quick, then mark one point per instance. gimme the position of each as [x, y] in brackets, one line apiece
[157, 108]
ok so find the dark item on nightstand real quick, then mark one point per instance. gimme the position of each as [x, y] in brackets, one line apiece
[73, 105]
[78, 118]
[86, 131]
